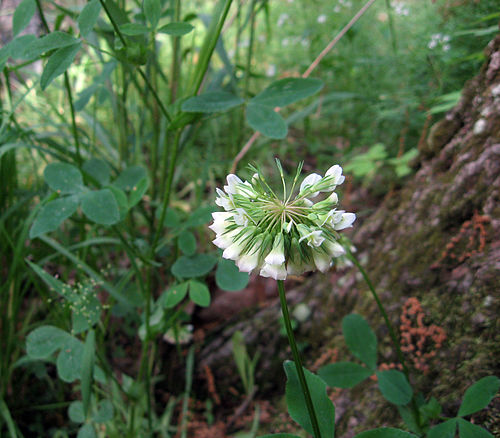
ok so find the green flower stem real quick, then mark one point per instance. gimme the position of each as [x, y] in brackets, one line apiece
[388, 323]
[298, 362]
[392, 333]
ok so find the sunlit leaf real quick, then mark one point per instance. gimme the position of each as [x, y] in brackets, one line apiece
[58, 63]
[22, 15]
[264, 119]
[176, 29]
[211, 102]
[286, 91]
[88, 17]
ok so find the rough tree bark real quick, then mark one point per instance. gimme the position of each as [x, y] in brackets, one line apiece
[437, 239]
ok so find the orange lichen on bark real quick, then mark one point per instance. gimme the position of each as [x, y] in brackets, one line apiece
[420, 341]
[470, 240]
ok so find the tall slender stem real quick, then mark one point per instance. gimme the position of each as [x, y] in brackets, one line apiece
[298, 362]
[388, 323]
[168, 187]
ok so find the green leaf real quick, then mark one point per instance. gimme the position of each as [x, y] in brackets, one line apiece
[240, 356]
[87, 431]
[138, 191]
[265, 120]
[69, 360]
[152, 11]
[199, 293]
[176, 29]
[88, 17]
[88, 370]
[479, 395]
[394, 387]
[86, 310]
[98, 169]
[121, 200]
[53, 214]
[105, 412]
[132, 29]
[130, 177]
[325, 411]
[54, 40]
[432, 409]
[194, 266]
[58, 286]
[174, 295]
[201, 216]
[211, 102]
[410, 419]
[344, 374]
[360, 339]
[229, 278]
[16, 48]
[286, 91]
[63, 178]
[42, 342]
[100, 206]
[58, 63]
[75, 412]
[385, 432]
[187, 243]
[22, 16]
[443, 430]
[469, 430]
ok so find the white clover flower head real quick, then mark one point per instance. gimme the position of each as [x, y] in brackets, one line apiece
[281, 235]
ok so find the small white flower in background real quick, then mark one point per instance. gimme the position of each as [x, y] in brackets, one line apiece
[281, 236]
[400, 8]
[321, 18]
[271, 70]
[285, 41]
[281, 19]
[439, 39]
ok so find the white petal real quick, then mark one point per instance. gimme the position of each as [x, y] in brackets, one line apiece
[322, 261]
[221, 215]
[335, 249]
[248, 262]
[310, 180]
[275, 257]
[346, 221]
[241, 218]
[225, 240]
[232, 182]
[233, 251]
[278, 272]
[336, 173]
